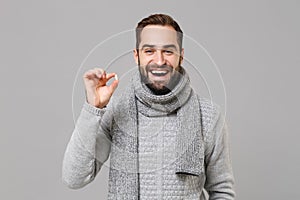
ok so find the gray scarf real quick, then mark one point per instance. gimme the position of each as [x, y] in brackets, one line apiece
[124, 174]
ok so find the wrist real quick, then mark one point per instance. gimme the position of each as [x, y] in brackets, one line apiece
[91, 98]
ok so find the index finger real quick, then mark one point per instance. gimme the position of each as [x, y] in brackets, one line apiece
[110, 75]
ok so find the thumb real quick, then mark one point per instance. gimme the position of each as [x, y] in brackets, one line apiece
[113, 85]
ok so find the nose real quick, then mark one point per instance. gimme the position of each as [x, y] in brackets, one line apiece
[160, 59]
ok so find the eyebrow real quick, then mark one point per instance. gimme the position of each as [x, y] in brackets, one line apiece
[164, 46]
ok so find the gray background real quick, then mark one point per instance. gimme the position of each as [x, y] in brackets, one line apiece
[254, 43]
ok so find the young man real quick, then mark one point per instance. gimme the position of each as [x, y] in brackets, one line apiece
[163, 140]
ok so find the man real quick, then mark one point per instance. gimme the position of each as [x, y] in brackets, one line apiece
[164, 142]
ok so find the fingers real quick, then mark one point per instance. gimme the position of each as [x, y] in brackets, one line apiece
[89, 74]
[106, 77]
[101, 76]
[110, 75]
[96, 73]
[114, 85]
[100, 73]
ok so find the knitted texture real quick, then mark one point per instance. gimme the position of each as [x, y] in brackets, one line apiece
[125, 150]
[149, 157]
[157, 156]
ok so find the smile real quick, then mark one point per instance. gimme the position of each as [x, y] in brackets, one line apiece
[159, 72]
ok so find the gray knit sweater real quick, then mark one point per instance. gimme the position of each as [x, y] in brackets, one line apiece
[92, 141]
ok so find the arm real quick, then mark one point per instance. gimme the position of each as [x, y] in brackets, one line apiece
[89, 145]
[219, 182]
[88, 148]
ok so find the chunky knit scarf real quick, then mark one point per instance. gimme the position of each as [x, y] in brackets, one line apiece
[124, 174]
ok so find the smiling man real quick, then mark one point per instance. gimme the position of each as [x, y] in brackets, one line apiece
[159, 55]
[163, 140]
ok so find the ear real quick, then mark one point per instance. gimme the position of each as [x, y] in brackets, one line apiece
[136, 56]
[181, 55]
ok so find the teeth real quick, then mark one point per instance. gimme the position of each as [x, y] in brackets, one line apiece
[159, 72]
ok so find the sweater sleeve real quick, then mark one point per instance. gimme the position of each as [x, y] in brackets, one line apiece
[219, 175]
[87, 149]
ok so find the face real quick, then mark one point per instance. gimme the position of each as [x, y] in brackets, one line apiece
[159, 56]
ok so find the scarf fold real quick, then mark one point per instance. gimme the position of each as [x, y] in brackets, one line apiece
[189, 140]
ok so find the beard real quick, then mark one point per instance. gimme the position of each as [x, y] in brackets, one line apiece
[160, 86]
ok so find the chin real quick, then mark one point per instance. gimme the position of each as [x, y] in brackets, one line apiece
[158, 89]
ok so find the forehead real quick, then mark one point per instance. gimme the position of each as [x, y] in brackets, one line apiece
[158, 35]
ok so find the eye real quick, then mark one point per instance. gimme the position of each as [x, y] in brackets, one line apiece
[149, 51]
[168, 52]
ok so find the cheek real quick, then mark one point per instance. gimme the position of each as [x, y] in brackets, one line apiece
[142, 57]
[143, 71]
[146, 59]
[175, 63]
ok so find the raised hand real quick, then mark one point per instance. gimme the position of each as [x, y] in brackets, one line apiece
[98, 93]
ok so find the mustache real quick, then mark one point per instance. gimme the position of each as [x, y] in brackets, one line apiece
[156, 66]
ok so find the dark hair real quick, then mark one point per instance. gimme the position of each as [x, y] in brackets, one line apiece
[158, 19]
